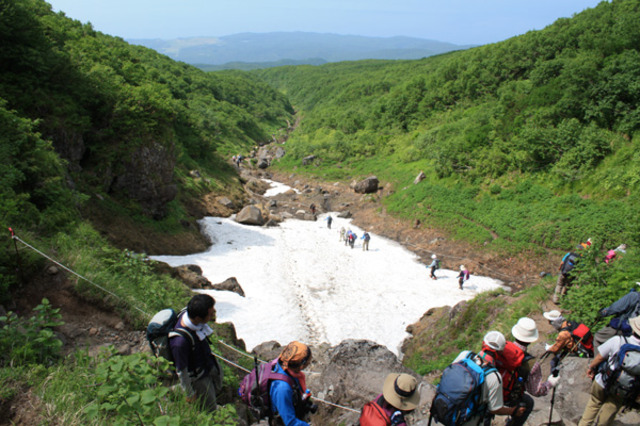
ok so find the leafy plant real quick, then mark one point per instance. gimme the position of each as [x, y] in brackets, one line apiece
[30, 340]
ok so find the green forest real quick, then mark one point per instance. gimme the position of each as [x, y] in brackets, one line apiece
[529, 146]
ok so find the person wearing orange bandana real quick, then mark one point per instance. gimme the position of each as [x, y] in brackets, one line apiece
[291, 404]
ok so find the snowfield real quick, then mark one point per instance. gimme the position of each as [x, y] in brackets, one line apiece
[302, 283]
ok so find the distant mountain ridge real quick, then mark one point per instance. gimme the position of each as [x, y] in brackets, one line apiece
[294, 47]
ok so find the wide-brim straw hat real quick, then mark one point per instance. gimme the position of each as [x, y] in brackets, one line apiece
[401, 391]
[525, 330]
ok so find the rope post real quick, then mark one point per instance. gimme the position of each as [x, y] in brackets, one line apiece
[18, 265]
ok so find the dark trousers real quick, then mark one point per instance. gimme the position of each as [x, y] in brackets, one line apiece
[519, 421]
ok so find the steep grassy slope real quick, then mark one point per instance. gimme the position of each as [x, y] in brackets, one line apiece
[534, 139]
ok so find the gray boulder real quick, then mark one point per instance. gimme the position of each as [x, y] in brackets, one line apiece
[308, 160]
[421, 176]
[250, 215]
[367, 186]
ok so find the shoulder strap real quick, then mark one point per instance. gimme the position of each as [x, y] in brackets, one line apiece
[181, 331]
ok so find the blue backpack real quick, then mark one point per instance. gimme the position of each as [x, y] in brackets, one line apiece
[458, 395]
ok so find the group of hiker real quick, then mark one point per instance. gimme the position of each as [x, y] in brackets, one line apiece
[571, 259]
[349, 237]
[463, 276]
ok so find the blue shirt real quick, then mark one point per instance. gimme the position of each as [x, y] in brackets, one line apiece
[281, 395]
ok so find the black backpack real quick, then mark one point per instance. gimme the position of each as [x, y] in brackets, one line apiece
[570, 263]
[161, 328]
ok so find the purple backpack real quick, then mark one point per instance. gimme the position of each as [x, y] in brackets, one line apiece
[254, 388]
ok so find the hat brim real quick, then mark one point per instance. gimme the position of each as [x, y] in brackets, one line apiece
[635, 326]
[515, 331]
[401, 403]
[550, 317]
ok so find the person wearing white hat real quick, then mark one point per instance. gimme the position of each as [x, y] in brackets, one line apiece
[525, 332]
[573, 338]
[602, 407]
[433, 266]
[493, 344]
[462, 276]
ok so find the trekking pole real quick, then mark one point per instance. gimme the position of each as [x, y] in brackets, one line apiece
[18, 265]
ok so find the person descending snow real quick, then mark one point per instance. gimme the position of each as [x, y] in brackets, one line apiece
[352, 239]
[342, 234]
[433, 265]
[329, 219]
[462, 276]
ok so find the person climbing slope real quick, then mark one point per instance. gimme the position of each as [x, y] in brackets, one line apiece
[435, 263]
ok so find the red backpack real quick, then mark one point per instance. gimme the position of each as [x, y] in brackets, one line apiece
[373, 415]
[508, 363]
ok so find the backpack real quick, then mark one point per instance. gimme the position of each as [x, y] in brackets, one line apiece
[161, 328]
[437, 263]
[581, 336]
[622, 373]
[509, 363]
[457, 398]
[570, 263]
[367, 237]
[254, 388]
[373, 415]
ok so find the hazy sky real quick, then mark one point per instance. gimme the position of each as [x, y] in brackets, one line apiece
[455, 21]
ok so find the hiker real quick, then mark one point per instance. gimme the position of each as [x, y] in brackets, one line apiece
[290, 405]
[347, 236]
[342, 234]
[199, 372]
[329, 220]
[365, 241]
[433, 265]
[574, 338]
[462, 276]
[611, 254]
[352, 239]
[585, 246]
[239, 159]
[607, 398]
[628, 306]
[399, 396]
[489, 402]
[564, 279]
[520, 372]
[312, 208]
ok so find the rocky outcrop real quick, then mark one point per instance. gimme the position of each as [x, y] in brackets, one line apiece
[191, 276]
[367, 186]
[421, 176]
[147, 177]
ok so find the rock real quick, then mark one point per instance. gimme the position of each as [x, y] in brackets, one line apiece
[224, 201]
[421, 176]
[263, 163]
[93, 331]
[308, 159]
[119, 326]
[367, 186]
[250, 215]
[344, 214]
[194, 174]
[191, 276]
[309, 216]
[52, 270]
[268, 350]
[280, 152]
[124, 349]
[230, 284]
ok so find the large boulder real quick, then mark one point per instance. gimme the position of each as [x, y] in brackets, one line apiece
[308, 159]
[250, 215]
[230, 284]
[367, 186]
[191, 276]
